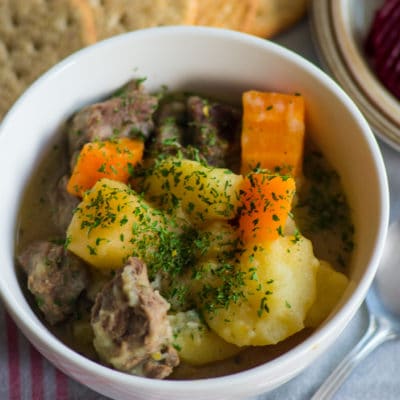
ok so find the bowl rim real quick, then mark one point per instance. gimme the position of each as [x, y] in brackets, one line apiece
[44, 337]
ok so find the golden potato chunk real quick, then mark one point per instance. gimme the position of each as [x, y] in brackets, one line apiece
[279, 287]
[221, 238]
[203, 192]
[330, 287]
[195, 342]
[111, 223]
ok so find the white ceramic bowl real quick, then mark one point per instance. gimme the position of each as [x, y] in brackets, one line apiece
[217, 62]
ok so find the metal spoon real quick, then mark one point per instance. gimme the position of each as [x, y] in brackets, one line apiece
[383, 305]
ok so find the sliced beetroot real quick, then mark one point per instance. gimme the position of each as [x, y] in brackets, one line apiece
[383, 45]
[381, 25]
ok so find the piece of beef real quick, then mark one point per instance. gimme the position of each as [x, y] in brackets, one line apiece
[228, 120]
[62, 204]
[56, 278]
[129, 320]
[169, 121]
[168, 134]
[215, 128]
[127, 114]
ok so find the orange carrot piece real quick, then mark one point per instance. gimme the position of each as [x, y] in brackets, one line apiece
[266, 203]
[272, 132]
[104, 159]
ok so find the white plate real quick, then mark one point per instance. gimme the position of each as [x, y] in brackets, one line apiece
[340, 28]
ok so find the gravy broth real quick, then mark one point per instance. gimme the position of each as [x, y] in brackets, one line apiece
[319, 209]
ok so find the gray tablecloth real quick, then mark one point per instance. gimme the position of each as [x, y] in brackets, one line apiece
[24, 374]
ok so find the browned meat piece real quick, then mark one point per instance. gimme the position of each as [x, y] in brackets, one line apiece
[215, 128]
[127, 114]
[129, 320]
[170, 120]
[56, 278]
[62, 204]
[168, 135]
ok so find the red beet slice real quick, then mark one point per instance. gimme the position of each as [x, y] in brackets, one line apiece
[383, 45]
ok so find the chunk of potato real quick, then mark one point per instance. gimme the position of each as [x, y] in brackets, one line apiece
[220, 239]
[216, 245]
[279, 288]
[111, 223]
[195, 342]
[203, 192]
[331, 285]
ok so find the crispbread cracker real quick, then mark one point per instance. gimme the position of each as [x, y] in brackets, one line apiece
[231, 14]
[118, 16]
[274, 16]
[180, 12]
[36, 34]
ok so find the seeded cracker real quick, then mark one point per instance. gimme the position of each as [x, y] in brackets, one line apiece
[274, 16]
[180, 12]
[117, 16]
[231, 14]
[34, 35]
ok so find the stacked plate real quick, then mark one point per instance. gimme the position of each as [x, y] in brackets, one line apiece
[340, 28]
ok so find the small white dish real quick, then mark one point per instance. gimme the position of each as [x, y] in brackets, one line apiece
[351, 23]
[340, 28]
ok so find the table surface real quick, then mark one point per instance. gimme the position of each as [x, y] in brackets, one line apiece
[24, 374]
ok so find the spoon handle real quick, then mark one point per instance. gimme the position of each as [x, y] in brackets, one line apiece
[378, 332]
